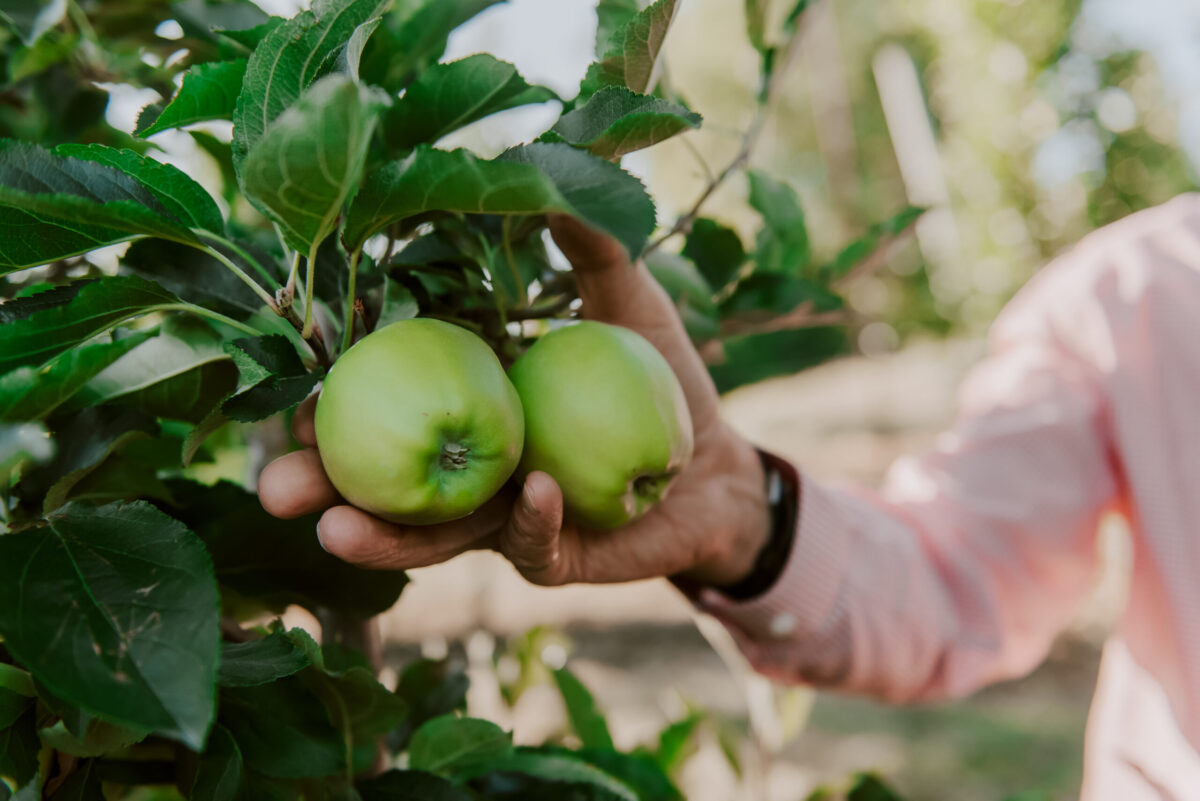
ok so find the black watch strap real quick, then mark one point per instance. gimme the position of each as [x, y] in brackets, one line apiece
[783, 507]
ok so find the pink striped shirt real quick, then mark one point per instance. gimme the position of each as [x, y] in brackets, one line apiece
[970, 560]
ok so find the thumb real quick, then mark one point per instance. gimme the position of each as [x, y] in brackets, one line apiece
[587, 249]
[531, 539]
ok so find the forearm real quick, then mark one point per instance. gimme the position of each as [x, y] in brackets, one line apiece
[964, 568]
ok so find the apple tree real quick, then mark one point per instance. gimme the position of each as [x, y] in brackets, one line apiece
[145, 321]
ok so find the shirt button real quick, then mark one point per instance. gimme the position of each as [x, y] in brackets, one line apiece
[782, 625]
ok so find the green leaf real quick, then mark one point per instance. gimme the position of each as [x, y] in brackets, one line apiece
[586, 719]
[193, 276]
[348, 60]
[445, 97]
[99, 737]
[612, 16]
[616, 121]
[131, 596]
[39, 298]
[398, 304]
[202, 18]
[779, 294]
[19, 746]
[716, 250]
[218, 774]
[677, 742]
[249, 38]
[447, 742]
[692, 295]
[776, 201]
[310, 159]
[756, 12]
[56, 206]
[130, 472]
[12, 705]
[248, 664]
[411, 41]
[782, 245]
[182, 198]
[793, 17]
[15, 702]
[83, 784]
[208, 92]
[533, 179]
[41, 55]
[44, 329]
[32, 18]
[560, 768]
[282, 730]
[180, 374]
[868, 787]
[633, 55]
[15, 680]
[84, 442]
[32, 393]
[278, 562]
[272, 378]
[880, 235]
[287, 61]
[358, 705]
[410, 785]
[599, 193]
[431, 689]
[754, 357]
[638, 771]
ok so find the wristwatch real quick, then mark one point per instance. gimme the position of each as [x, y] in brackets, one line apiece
[783, 509]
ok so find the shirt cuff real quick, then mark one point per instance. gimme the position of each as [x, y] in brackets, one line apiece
[803, 598]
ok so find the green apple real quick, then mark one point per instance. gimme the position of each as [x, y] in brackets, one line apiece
[605, 417]
[418, 424]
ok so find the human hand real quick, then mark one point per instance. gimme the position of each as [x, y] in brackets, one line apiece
[707, 531]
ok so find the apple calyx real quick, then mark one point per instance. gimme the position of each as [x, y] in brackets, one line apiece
[454, 456]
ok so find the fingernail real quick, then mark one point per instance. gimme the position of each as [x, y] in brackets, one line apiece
[320, 539]
[527, 502]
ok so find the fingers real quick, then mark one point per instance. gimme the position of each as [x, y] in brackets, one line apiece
[367, 541]
[295, 484]
[303, 422]
[531, 539]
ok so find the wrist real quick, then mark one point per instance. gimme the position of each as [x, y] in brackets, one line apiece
[782, 490]
[742, 528]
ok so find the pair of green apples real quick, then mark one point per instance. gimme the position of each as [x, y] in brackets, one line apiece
[418, 423]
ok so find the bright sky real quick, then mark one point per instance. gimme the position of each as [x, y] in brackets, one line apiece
[550, 42]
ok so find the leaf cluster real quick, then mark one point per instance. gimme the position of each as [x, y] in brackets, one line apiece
[133, 587]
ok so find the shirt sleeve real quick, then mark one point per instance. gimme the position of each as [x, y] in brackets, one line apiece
[972, 557]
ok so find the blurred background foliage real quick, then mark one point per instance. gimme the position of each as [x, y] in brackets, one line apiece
[1029, 124]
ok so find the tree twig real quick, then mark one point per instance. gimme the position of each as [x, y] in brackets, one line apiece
[878, 257]
[315, 340]
[803, 316]
[683, 223]
[749, 138]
